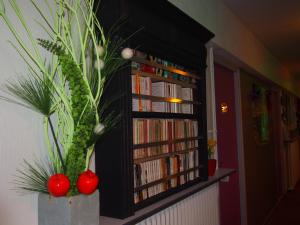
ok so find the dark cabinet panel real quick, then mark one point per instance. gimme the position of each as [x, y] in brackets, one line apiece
[159, 29]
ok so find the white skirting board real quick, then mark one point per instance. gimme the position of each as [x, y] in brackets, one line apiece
[201, 208]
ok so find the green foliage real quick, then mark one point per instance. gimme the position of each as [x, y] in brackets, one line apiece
[33, 177]
[66, 87]
[51, 47]
[83, 113]
[32, 93]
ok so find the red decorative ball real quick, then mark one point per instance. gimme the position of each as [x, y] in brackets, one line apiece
[58, 185]
[87, 182]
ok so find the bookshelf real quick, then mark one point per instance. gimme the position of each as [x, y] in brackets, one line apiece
[159, 146]
[165, 150]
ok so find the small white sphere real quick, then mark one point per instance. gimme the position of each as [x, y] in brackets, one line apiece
[99, 128]
[100, 50]
[127, 53]
[99, 64]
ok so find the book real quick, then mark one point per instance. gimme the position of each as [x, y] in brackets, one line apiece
[141, 85]
[187, 94]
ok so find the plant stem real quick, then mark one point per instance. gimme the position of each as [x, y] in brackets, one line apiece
[57, 145]
[88, 157]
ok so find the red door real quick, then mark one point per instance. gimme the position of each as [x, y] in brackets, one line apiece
[227, 145]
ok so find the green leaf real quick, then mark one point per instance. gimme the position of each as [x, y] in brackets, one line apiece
[33, 177]
[33, 93]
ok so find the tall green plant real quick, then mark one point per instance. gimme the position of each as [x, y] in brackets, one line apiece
[67, 87]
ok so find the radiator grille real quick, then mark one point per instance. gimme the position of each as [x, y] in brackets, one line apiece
[201, 208]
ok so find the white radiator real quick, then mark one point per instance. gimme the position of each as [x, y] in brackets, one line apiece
[201, 208]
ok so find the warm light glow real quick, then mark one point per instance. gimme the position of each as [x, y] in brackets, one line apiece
[224, 107]
[181, 72]
[175, 100]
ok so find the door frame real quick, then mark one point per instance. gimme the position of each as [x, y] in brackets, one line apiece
[220, 56]
[240, 146]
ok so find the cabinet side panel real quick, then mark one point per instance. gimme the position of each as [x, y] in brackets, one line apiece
[113, 154]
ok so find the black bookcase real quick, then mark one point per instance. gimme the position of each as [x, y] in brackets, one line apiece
[164, 31]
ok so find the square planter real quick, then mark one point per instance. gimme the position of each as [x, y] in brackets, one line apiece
[76, 210]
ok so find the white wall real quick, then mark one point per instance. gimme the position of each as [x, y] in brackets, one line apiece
[235, 38]
[21, 134]
[20, 130]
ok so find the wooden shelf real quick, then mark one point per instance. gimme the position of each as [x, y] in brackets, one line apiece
[136, 114]
[165, 179]
[163, 99]
[164, 155]
[182, 45]
[171, 200]
[152, 144]
[167, 68]
[155, 77]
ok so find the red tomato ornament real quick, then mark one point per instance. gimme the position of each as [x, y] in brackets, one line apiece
[58, 185]
[87, 182]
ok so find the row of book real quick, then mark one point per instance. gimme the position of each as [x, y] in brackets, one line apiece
[169, 90]
[156, 130]
[162, 149]
[168, 171]
[144, 86]
[145, 105]
[159, 71]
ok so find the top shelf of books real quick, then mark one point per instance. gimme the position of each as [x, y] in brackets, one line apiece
[155, 77]
[161, 86]
[164, 67]
[156, 68]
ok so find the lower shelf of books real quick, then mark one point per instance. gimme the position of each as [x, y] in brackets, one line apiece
[157, 176]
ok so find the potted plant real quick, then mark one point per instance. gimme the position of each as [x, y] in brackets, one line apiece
[212, 163]
[67, 71]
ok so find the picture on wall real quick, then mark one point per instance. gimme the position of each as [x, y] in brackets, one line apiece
[260, 113]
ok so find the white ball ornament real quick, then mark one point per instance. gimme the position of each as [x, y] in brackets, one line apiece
[100, 50]
[98, 129]
[99, 64]
[127, 53]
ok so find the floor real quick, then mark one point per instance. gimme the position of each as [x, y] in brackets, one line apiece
[288, 210]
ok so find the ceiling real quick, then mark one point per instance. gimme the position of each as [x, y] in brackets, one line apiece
[276, 23]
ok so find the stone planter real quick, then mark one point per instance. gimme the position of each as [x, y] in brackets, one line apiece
[76, 210]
